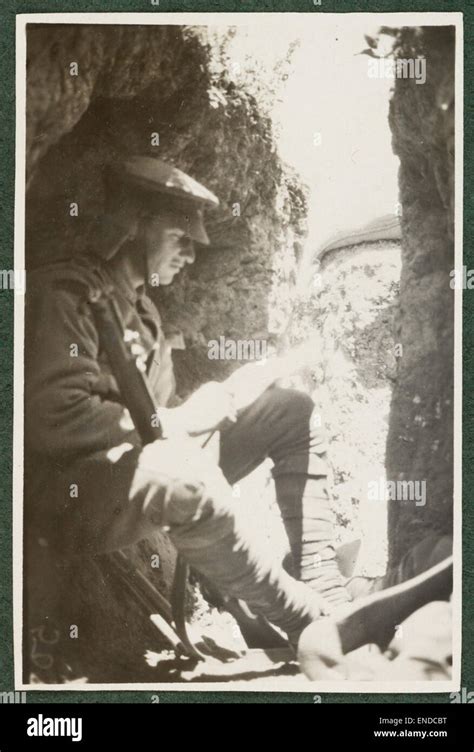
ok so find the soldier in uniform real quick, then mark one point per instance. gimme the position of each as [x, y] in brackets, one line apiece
[90, 485]
[78, 433]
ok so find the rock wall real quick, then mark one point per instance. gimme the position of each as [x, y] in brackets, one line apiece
[420, 440]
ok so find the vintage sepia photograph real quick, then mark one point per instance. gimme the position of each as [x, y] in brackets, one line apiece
[237, 394]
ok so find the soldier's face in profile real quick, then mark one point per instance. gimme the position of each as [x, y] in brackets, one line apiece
[167, 248]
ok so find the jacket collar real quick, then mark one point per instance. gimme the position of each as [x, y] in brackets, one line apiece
[125, 288]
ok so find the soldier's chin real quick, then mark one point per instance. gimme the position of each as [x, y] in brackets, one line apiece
[167, 277]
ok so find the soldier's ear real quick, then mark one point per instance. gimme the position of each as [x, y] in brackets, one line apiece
[134, 225]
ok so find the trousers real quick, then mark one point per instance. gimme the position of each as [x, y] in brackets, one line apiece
[124, 494]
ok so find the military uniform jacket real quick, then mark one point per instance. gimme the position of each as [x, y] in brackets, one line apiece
[73, 406]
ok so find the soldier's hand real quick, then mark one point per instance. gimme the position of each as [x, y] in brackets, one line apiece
[206, 410]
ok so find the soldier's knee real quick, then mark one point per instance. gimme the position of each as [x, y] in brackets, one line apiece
[186, 485]
[292, 403]
[185, 502]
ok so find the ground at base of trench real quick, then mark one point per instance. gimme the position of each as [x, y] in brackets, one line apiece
[421, 650]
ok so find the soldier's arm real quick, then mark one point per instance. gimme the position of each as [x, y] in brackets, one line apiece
[63, 413]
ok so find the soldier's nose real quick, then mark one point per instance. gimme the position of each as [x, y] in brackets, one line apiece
[187, 250]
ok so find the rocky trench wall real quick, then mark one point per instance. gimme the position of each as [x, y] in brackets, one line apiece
[420, 439]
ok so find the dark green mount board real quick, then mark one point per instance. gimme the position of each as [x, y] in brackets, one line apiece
[8, 12]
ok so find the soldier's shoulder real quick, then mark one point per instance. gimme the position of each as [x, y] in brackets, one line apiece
[78, 276]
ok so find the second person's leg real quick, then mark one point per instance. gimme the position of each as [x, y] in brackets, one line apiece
[282, 424]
